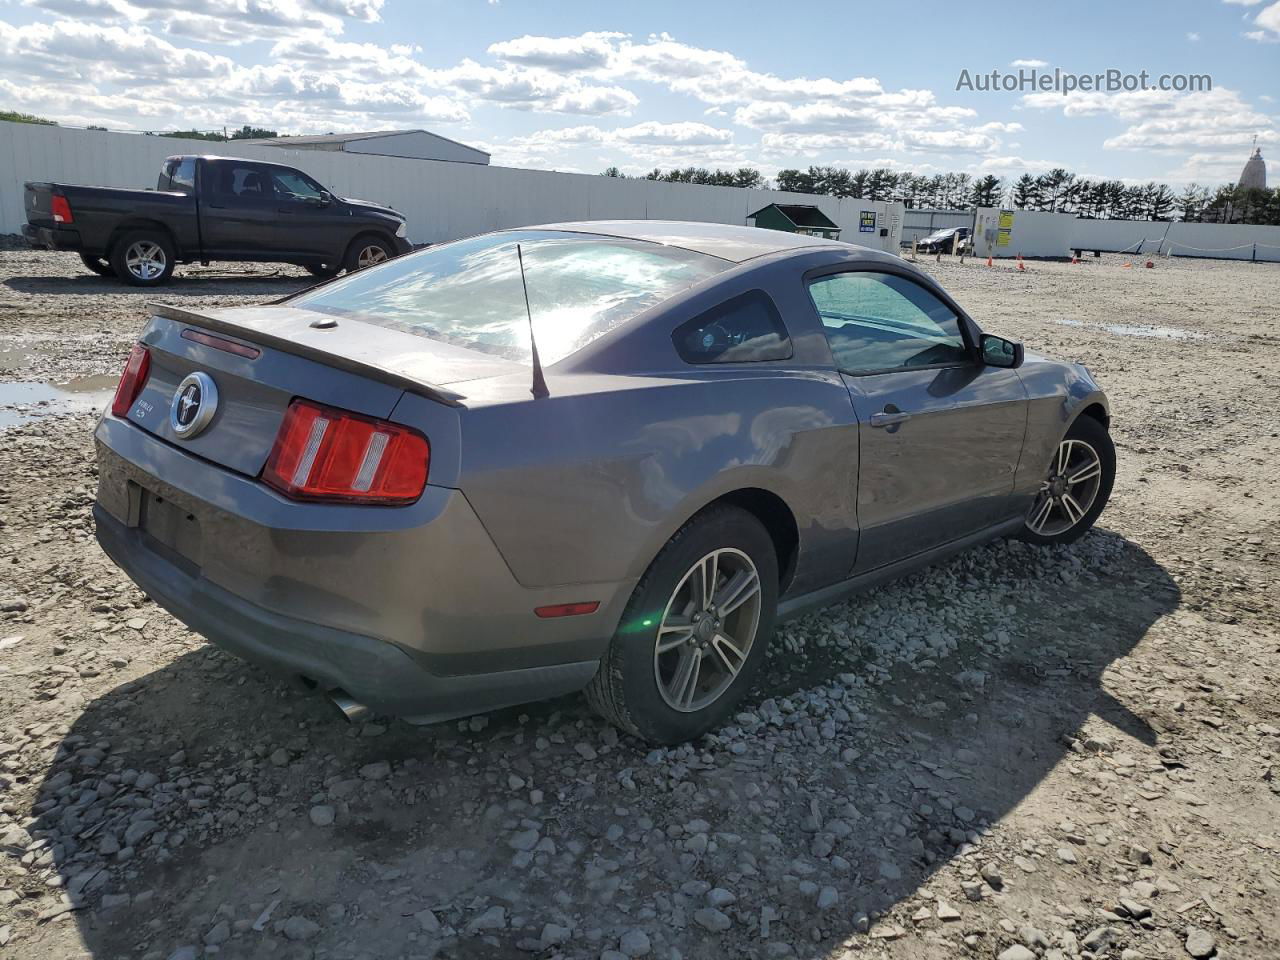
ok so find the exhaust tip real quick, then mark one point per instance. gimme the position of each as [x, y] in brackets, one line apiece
[350, 709]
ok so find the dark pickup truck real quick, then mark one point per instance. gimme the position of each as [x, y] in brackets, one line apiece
[212, 208]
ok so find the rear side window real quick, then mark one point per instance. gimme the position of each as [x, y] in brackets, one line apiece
[744, 329]
[247, 182]
[880, 321]
[178, 173]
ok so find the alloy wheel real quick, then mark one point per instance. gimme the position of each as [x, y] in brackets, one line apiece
[145, 259]
[707, 630]
[1068, 489]
[370, 255]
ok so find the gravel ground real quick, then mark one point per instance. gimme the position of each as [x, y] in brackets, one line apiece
[1017, 754]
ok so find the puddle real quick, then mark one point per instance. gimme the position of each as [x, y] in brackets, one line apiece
[1155, 332]
[23, 402]
[1148, 330]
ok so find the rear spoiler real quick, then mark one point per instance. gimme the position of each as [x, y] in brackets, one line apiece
[430, 391]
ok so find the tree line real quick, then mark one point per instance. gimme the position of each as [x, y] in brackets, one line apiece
[1056, 191]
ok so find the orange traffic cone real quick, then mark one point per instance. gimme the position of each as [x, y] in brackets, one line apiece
[1021, 266]
[1074, 258]
[989, 262]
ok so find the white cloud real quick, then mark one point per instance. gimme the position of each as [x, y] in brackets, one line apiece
[1193, 37]
[1168, 121]
[587, 51]
[1269, 20]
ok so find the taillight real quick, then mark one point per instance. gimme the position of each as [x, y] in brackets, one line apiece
[61, 210]
[132, 380]
[322, 453]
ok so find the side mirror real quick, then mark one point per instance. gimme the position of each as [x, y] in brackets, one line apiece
[323, 200]
[999, 352]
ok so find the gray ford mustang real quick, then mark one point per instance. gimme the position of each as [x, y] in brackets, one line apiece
[605, 455]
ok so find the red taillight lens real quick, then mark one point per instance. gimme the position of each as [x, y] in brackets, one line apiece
[323, 453]
[132, 380]
[61, 210]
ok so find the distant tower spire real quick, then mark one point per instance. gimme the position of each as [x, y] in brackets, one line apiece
[1254, 174]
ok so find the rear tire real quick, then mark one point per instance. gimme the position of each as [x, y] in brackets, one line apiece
[366, 251]
[711, 647]
[143, 258]
[322, 271]
[1076, 487]
[98, 265]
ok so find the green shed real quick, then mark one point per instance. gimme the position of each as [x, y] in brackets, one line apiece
[796, 218]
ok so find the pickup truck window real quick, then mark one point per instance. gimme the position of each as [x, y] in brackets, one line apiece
[178, 173]
[243, 181]
[292, 185]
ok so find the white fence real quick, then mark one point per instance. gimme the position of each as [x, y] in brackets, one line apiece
[1035, 234]
[442, 200]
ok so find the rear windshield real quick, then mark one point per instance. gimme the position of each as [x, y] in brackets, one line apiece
[469, 293]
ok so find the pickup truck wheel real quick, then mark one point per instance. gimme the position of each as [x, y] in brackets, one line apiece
[143, 258]
[98, 265]
[322, 270]
[366, 251]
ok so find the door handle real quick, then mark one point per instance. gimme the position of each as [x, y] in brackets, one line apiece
[888, 419]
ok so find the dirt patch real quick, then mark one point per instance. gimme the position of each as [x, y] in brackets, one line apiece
[1073, 751]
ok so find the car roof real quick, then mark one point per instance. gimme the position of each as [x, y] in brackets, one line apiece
[722, 240]
[221, 159]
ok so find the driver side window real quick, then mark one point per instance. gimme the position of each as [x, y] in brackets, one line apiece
[880, 321]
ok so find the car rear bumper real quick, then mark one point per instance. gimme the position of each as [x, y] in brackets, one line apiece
[51, 238]
[411, 611]
[376, 673]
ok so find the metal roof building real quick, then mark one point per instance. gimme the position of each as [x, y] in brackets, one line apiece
[411, 144]
[796, 218]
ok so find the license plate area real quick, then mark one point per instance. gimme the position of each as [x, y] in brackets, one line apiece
[173, 531]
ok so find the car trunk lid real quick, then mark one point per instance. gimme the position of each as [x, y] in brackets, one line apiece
[270, 355]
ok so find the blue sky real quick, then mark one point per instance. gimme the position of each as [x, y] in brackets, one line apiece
[581, 86]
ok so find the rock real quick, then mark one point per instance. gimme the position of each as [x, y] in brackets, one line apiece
[523, 840]
[828, 897]
[12, 605]
[1134, 909]
[220, 932]
[947, 912]
[138, 831]
[720, 897]
[184, 953]
[709, 918]
[634, 943]
[427, 921]
[495, 918]
[890, 871]
[378, 770]
[991, 873]
[8, 642]
[1016, 952]
[280, 757]
[300, 928]
[1066, 855]
[322, 815]
[585, 750]
[553, 934]
[1100, 938]
[1200, 943]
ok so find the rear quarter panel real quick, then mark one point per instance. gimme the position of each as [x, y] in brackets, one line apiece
[102, 212]
[589, 483]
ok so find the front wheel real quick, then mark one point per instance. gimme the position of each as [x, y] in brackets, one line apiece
[366, 251]
[98, 265]
[1076, 486]
[695, 631]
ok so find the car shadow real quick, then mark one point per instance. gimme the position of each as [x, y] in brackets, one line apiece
[219, 785]
[211, 282]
